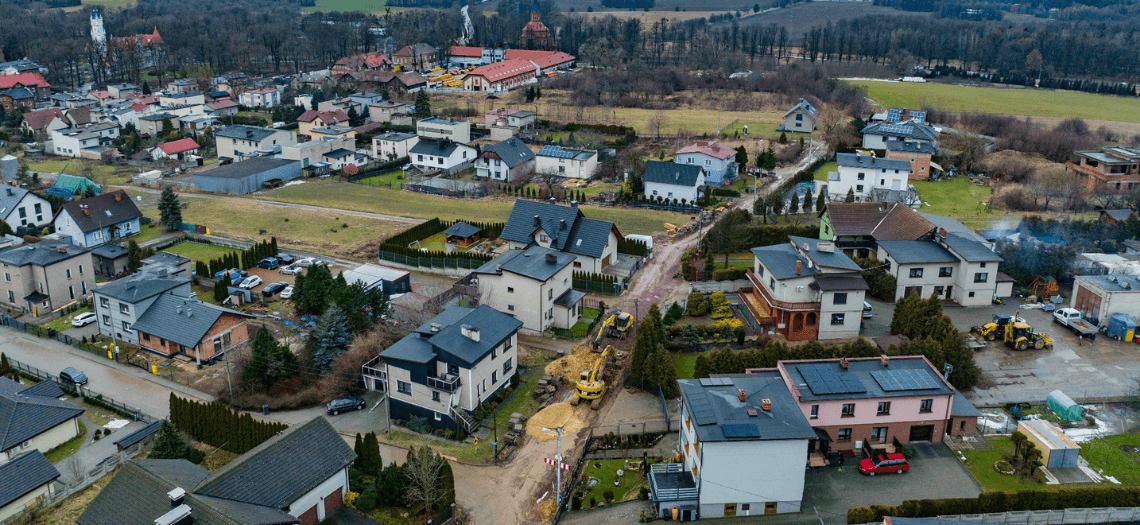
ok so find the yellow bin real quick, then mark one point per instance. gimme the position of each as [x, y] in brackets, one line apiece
[1129, 334]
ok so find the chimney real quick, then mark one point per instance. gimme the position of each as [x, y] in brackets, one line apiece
[872, 159]
[176, 496]
[799, 266]
[10, 192]
[87, 211]
[942, 232]
[162, 272]
[561, 224]
[189, 312]
[885, 360]
[741, 395]
[249, 133]
[825, 247]
[435, 327]
[766, 405]
[178, 309]
[551, 258]
[573, 204]
[470, 332]
[537, 220]
[118, 197]
[858, 158]
[61, 249]
[553, 200]
[843, 362]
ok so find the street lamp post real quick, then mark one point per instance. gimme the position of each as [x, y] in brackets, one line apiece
[557, 466]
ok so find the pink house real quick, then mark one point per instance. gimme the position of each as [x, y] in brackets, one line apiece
[879, 400]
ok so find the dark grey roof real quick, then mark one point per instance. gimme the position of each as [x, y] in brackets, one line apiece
[165, 258]
[246, 168]
[687, 175]
[45, 389]
[861, 370]
[424, 345]
[512, 151]
[23, 474]
[911, 252]
[462, 229]
[282, 469]
[833, 259]
[412, 348]
[911, 147]
[719, 415]
[1120, 215]
[971, 250]
[952, 225]
[101, 211]
[138, 435]
[569, 229]
[534, 262]
[43, 253]
[242, 132]
[24, 415]
[9, 198]
[569, 298]
[435, 147]
[802, 105]
[157, 117]
[18, 93]
[838, 282]
[906, 130]
[181, 320]
[963, 407]
[110, 251]
[780, 261]
[139, 286]
[339, 152]
[857, 160]
[395, 136]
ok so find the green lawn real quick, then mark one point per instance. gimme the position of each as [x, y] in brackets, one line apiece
[469, 453]
[62, 452]
[63, 323]
[359, 197]
[101, 173]
[199, 252]
[605, 471]
[435, 243]
[392, 179]
[1106, 454]
[149, 231]
[958, 198]
[367, 6]
[522, 401]
[1013, 101]
[981, 466]
[821, 173]
[686, 365]
[590, 313]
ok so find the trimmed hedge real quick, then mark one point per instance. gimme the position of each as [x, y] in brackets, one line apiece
[725, 192]
[728, 274]
[993, 502]
[633, 247]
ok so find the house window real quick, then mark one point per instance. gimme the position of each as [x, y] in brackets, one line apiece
[435, 395]
[7, 277]
[494, 377]
[507, 366]
[510, 307]
[862, 176]
[981, 277]
[107, 320]
[946, 271]
[926, 405]
[11, 297]
[577, 264]
[879, 434]
[67, 272]
[882, 182]
[859, 189]
[837, 319]
[510, 289]
[983, 265]
[404, 388]
[124, 309]
[494, 353]
[815, 411]
[843, 434]
[884, 408]
[83, 287]
[453, 370]
[916, 273]
[848, 410]
[437, 416]
[81, 269]
[760, 272]
[71, 291]
[146, 337]
[839, 298]
[745, 507]
[971, 294]
[962, 426]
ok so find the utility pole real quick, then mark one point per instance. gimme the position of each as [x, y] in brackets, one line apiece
[557, 467]
[229, 382]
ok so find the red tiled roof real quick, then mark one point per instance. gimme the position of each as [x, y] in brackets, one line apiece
[38, 120]
[143, 99]
[711, 148]
[222, 103]
[503, 70]
[262, 90]
[178, 146]
[466, 51]
[23, 79]
[368, 127]
[544, 59]
[139, 107]
[101, 94]
[333, 117]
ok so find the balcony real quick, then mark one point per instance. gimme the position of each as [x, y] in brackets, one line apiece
[448, 383]
[375, 368]
[671, 482]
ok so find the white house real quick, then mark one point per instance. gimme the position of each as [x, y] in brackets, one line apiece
[879, 135]
[97, 220]
[261, 98]
[22, 208]
[437, 128]
[393, 145]
[505, 159]
[382, 111]
[178, 149]
[950, 266]
[119, 303]
[669, 182]
[863, 173]
[237, 143]
[313, 152]
[442, 155]
[593, 243]
[800, 119]
[533, 285]
[187, 98]
[566, 162]
[717, 159]
[89, 140]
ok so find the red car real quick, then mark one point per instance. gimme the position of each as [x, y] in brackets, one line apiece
[881, 464]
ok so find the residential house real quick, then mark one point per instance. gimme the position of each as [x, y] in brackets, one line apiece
[73, 100]
[564, 228]
[800, 119]
[438, 128]
[566, 162]
[299, 476]
[173, 264]
[382, 111]
[1097, 297]
[670, 182]
[261, 98]
[178, 149]
[855, 227]
[195, 124]
[1115, 168]
[716, 159]
[313, 152]
[43, 277]
[319, 119]
[505, 122]
[372, 61]
[950, 266]
[18, 97]
[344, 132]
[33, 82]
[186, 98]
[388, 81]
[120, 303]
[390, 281]
[183, 85]
[223, 107]
[441, 155]
[743, 446]
[34, 419]
[533, 285]
[393, 145]
[806, 290]
[448, 366]
[29, 480]
[918, 154]
[875, 400]
[21, 208]
[174, 325]
[44, 122]
[248, 176]
[501, 76]
[880, 135]
[122, 91]
[99, 219]
[237, 143]
[860, 174]
[86, 142]
[1116, 217]
[110, 260]
[341, 158]
[100, 96]
[416, 56]
[23, 65]
[151, 125]
[459, 57]
[505, 160]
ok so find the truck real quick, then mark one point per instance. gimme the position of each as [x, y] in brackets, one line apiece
[1072, 318]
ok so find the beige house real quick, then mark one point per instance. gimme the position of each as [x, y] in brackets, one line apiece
[800, 119]
[533, 285]
[237, 143]
[43, 277]
[29, 479]
[313, 151]
[950, 266]
[35, 418]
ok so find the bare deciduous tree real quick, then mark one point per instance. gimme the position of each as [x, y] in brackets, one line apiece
[423, 477]
[658, 120]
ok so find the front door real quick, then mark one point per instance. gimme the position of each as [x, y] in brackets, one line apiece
[729, 510]
[921, 433]
[770, 507]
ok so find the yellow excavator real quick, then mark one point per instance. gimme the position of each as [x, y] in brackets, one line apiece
[591, 387]
[615, 325]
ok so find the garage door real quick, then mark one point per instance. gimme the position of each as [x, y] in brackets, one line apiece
[922, 433]
[309, 517]
[332, 501]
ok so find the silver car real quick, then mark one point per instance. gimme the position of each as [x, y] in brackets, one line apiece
[292, 269]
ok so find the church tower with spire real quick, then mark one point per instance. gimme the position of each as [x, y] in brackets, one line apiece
[536, 35]
[98, 34]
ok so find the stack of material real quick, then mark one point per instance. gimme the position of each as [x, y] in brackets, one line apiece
[551, 417]
[547, 387]
[516, 427]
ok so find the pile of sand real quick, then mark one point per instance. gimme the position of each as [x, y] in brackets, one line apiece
[553, 416]
[571, 366]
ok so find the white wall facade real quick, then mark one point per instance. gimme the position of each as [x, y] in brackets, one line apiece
[570, 168]
[318, 494]
[384, 149]
[230, 147]
[461, 155]
[672, 191]
[46, 440]
[529, 300]
[840, 320]
[862, 180]
[32, 210]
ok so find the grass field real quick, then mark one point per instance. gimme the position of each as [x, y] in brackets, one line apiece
[368, 6]
[1011, 101]
[1106, 454]
[435, 243]
[199, 252]
[980, 463]
[685, 364]
[101, 173]
[957, 198]
[387, 180]
[605, 471]
[359, 197]
[63, 323]
[694, 121]
[821, 173]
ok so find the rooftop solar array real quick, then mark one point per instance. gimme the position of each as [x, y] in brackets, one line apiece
[893, 115]
[561, 153]
[895, 128]
[822, 379]
[918, 116]
[702, 410]
[740, 430]
[905, 379]
[716, 381]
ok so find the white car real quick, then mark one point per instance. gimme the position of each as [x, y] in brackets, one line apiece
[250, 283]
[292, 269]
[306, 262]
[84, 319]
[287, 293]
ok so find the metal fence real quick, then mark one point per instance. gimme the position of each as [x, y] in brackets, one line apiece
[604, 288]
[1059, 516]
[90, 396]
[575, 475]
[48, 333]
[578, 331]
[431, 262]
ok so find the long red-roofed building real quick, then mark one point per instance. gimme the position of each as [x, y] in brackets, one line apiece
[34, 82]
[500, 76]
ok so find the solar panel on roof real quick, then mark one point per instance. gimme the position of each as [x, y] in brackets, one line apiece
[702, 410]
[822, 379]
[740, 430]
[906, 379]
[893, 115]
[918, 116]
[551, 151]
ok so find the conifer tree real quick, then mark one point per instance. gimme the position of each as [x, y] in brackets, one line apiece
[169, 209]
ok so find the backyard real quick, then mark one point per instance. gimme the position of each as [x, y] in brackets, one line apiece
[1117, 456]
[102, 174]
[62, 452]
[980, 463]
[828, 167]
[63, 323]
[391, 179]
[686, 364]
[958, 197]
[197, 251]
[603, 473]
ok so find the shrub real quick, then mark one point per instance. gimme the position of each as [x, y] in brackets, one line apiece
[576, 503]
[698, 305]
[860, 515]
[728, 274]
[609, 496]
[367, 501]
[644, 493]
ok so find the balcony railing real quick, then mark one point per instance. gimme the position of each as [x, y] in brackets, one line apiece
[447, 384]
[775, 303]
[674, 492]
[374, 368]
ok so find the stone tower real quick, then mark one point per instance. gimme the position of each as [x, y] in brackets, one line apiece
[98, 34]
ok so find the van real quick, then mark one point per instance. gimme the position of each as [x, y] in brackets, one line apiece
[867, 312]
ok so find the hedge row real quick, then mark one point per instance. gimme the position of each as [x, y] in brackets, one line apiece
[725, 192]
[993, 502]
[728, 274]
[633, 247]
[216, 424]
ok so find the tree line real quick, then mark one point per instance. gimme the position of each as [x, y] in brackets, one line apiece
[216, 424]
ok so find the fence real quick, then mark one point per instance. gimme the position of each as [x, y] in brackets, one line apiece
[604, 288]
[1065, 516]
[575, 475]
[90, 397]
[578, 331]
[431, 262]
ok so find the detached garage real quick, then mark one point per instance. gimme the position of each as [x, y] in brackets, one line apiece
[248, 176]
[1057, 449]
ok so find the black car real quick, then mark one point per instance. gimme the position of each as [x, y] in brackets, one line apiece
[72, 376]
[274, 288]
[344, 404]
[285, 258]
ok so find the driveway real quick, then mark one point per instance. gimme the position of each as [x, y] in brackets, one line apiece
[93, 452]
[373, 418]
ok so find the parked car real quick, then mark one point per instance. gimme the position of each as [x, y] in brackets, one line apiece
[306, 262]
[292, 269]
[285, 258]
[274, 288]
[868, 312]
[319, 262]
[287, 293]
[269, 263]
[72, 376]
[884, 464]
[84, 319]
[344, 404]
[250, 282]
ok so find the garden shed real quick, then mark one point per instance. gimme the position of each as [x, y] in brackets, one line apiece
[462, 234]
[1064, 406]
[1057, 449]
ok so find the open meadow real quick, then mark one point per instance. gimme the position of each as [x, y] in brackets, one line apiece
[103, 4]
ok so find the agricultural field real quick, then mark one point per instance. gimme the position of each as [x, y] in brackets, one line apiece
[199, 252]
[1002, 100]
[799, 18]
[359, 197]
